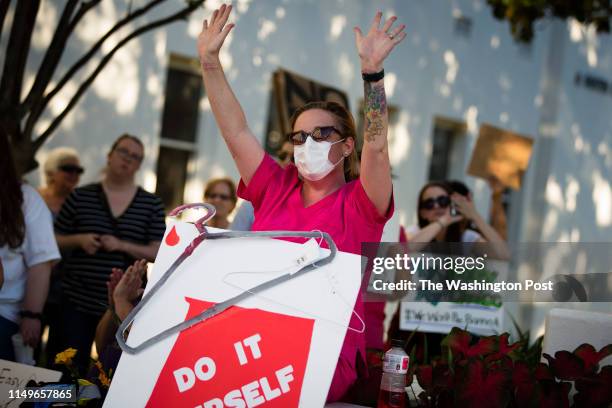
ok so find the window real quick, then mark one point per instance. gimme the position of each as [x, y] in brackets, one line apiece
[448, 150]
[179, 128]
[289, 92]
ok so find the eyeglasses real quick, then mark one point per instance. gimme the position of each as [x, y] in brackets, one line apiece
[223, 197]
[71, 168]
[125, 154]
[443, 201]
[318, 134]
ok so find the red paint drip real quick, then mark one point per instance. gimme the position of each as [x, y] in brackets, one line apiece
[173, 238]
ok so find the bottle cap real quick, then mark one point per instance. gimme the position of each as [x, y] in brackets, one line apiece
[397, 343]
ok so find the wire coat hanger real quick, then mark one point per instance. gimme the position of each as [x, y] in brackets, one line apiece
[221, 306]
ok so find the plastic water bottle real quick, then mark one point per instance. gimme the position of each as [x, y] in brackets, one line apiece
[393, 384]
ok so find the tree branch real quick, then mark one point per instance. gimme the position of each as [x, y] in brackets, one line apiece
[92, 51]
[17, 53]
[52, 55]
[38, 110]
[4, 4]
[34, 101]
[148, 27]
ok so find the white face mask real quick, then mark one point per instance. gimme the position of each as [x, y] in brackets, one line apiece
[312, 159]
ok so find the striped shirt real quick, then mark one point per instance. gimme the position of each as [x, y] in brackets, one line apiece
[87, 210]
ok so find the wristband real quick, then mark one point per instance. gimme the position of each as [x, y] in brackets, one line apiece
[31, 315]
[375, 77]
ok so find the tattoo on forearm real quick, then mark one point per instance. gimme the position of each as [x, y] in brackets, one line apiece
[375, 110]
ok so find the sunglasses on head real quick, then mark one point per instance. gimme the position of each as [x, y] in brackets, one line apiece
[71, 168]
[443, 201]
[318, 134]
[223, 197]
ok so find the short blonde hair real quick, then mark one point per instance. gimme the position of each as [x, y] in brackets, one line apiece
[56, 157]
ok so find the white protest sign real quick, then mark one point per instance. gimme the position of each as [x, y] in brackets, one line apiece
[278, 348]
[443, 316]
[14, 376]
[482, 316]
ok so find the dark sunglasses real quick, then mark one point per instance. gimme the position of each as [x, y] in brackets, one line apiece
[443, 201]
[71, 168]
[223, 197]
[318, 134]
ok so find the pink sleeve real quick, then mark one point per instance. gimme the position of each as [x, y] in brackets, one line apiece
[403, 237]
[345, 374]
[255, 192]
[366, 208]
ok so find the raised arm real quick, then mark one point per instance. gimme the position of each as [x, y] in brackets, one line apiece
[244, 147]
[467, 209]
[373, 49]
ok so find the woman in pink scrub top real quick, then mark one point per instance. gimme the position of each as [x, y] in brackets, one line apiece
[321, 192]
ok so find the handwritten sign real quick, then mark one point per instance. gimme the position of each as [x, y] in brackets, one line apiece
[14, 376]
[442, 317]
[502, 154]
[276, 349]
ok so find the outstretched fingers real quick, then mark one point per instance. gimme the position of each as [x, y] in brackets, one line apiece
[226, 30]
[214, 16]
[388, 24]
[358, 34]
[398, 38]
[397, 30]
[376, 22]
[225, 13]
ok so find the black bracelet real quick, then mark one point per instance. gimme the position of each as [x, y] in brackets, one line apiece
[375, 77]
[31, 315]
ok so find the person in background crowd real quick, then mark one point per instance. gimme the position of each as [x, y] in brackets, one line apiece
[322, 192]
[497, 214]
[245, 216]
[106, 225]
[63, 171]
[221, 193]
[62, 174]
[436, 224]
[27, 252]
[124, 289]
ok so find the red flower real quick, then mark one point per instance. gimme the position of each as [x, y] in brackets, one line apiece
[482, 387]
[565, 365]
[554, 394]
[595, 391]
[459, 342]
[590, 357]
[524, 384]
[424, 376]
